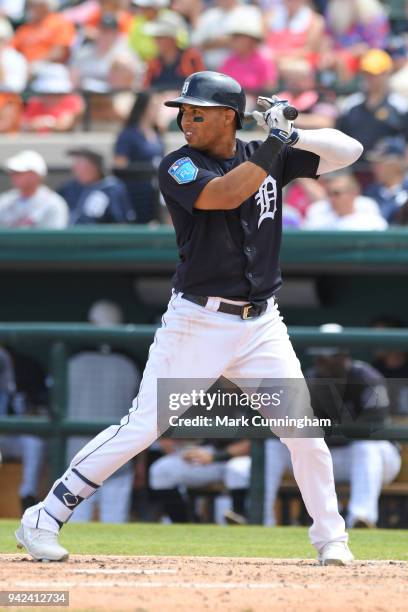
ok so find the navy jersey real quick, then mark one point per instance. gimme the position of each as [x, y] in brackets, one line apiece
[229, 253]
[105, 201]
[369, 125]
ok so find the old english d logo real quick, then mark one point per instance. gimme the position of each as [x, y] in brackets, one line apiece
[266, 199]
[70, 500]
[185, 88]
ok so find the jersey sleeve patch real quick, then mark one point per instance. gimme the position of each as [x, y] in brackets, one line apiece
[183, 171]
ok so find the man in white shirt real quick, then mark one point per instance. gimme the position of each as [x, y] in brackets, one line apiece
[344, 208]
[31, 203]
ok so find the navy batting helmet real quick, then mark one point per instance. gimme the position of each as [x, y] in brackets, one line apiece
[209, 88]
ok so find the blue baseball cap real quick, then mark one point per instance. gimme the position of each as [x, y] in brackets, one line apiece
[393, 146]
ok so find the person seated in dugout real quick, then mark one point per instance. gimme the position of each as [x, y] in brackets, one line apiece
[205, 461]
[347, 391]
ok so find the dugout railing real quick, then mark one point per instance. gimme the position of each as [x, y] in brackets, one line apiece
[60, 339]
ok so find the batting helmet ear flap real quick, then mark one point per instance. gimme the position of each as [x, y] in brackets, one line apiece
[179, 116]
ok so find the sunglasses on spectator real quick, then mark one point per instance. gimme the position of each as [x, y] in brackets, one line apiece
[336, 192]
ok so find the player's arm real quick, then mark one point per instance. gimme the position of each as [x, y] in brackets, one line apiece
[231, 190]
[335, 149]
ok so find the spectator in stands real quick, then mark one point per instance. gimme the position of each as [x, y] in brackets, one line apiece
[31, 203]
[316, 107]
[393, 365]
[353, 392]
[353, 27]
[375, 113]
[101, 385]
[169, 69]
[46, 36]
[397, 48]
[248, 63]
[344, 208]
[95, 64]
[54, 107]
[143, 43]
[190, 10]
[302, 193]
[140, 143]
[13, 9]
[13, 65]
[13, 79]
[93, 196]
[97, 11]
[390, 189]
[295, 29]
[401, 216]
[211, 32]
[215, 461]
[23, 393]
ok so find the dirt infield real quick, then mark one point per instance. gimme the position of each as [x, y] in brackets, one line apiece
[169, 584]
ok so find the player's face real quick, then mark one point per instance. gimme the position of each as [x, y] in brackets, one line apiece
[203, 126]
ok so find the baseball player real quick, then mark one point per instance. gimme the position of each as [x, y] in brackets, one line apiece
[225, 198]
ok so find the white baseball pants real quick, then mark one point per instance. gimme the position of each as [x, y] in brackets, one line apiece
[197, 342]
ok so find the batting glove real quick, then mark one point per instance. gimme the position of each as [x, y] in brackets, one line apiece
[273, 121]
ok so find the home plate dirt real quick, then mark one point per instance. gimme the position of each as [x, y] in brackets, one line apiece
[170, 584]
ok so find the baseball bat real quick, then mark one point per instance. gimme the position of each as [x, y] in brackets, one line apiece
[289, 112]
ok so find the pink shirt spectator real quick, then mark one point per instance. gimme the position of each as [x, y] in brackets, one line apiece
[253, 73]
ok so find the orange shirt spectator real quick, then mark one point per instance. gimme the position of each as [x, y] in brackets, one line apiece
[45, 36]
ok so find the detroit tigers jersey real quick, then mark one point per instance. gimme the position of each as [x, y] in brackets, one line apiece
[229, 253]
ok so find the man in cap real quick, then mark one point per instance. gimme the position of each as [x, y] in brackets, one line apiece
[31, 203]
[91, 194]
[172, 65]
[146, 11]
[225, 199]
[388, 163]
[346, 391]
[211, 34]
[375, 113]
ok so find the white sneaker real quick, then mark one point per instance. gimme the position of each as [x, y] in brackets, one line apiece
[335, 553]
[41, 544]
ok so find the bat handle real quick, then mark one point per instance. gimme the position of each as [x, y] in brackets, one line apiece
[290, 113]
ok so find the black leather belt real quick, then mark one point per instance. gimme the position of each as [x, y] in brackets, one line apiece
[247, 311]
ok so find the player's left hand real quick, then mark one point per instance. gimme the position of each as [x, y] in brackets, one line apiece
[273, 120]
[196, 454]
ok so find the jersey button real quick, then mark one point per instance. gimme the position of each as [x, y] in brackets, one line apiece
[244, 223]
[250, 275]
[249, 249]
